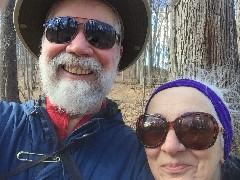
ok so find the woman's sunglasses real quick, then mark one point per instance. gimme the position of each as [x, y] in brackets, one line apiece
[62, 30]
[195, 130]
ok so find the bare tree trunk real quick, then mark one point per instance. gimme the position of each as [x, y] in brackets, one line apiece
[143, 68]
[173, 65]
[204, 36]
[238, 26]
[138, 71]
[8, 63]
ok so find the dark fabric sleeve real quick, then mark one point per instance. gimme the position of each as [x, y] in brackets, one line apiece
[231, 168]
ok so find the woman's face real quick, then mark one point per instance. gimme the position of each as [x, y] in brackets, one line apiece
[172, 160]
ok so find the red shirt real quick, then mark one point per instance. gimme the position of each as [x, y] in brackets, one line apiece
[60, 118]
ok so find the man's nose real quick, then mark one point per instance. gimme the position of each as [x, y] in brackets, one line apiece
[79, 45]
[172, 145]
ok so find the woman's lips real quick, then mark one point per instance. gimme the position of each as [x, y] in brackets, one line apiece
[175, 168]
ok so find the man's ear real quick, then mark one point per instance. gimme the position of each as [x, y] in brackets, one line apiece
[121, 50]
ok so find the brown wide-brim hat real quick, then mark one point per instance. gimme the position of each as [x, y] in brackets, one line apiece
[30, 15]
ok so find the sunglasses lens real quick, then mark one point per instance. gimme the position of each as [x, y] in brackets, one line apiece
[151, 131]
[61, 30]
[196, 131]
[64, 29]
[100, 34]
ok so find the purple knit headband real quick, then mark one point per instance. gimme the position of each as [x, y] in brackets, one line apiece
[220, 107]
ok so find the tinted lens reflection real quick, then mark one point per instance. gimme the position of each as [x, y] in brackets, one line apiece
[100, 34]
[195, 131]
[61, 30]
[64, 29]
[152, 131]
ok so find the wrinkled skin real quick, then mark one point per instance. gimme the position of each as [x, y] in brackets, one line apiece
[172, 160]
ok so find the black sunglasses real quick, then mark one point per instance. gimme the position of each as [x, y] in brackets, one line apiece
[62, 30]
[195, 130]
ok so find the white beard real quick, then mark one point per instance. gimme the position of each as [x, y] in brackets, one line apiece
[75, 96]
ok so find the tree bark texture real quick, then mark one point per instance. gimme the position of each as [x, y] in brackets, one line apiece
[8, 60]
[203, 35]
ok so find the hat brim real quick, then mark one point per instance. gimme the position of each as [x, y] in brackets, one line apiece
[30, 15]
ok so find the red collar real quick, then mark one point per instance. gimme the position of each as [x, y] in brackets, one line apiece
[60, 118]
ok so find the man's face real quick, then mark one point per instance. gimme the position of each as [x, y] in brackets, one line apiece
[76, 75]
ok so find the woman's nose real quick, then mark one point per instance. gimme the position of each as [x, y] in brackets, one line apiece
[79, 45]
[172, 145]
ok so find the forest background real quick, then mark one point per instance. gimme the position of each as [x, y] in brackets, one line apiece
[187, 38]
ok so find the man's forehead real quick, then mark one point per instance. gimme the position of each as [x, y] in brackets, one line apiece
[89, 9]
[80, 3]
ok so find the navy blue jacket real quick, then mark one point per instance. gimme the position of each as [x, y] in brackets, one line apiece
[112, 150]
[231, 168]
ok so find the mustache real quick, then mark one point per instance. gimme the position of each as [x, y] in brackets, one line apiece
[69, 59]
